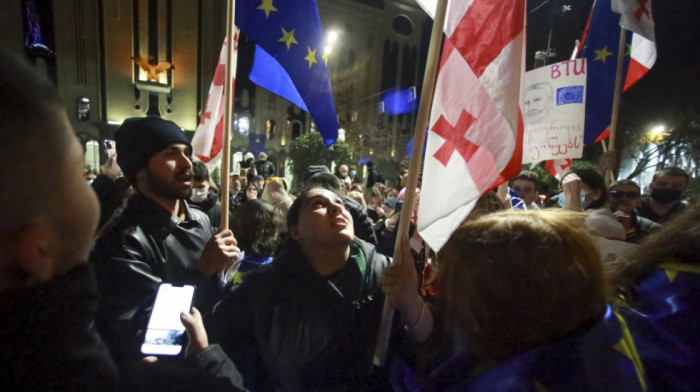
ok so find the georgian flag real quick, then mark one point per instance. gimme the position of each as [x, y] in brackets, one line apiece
[636, 17]
[475, 132]
[208, 140]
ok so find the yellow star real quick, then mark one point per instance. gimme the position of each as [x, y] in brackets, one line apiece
[288, 38]
[602, 54]
[670, 274]
[325, 58]
[266, 5]
[311, 57]
[627, 348]
[628, 49]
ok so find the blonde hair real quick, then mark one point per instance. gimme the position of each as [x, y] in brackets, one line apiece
[357, 196]
[515, 280]
[275, 194]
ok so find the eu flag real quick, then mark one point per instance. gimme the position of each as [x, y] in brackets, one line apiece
[600, 48]
[289, 57]
[256, 143]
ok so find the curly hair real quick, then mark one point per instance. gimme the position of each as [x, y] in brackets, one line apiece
[256, 227]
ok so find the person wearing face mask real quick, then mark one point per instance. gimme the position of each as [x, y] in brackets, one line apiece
[201, 197]
[584, 190]
[623, 201]
[665, 198]
[352, 174]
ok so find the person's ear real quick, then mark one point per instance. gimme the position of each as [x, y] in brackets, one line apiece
[294, 232]
[29, 249]
[596, 194]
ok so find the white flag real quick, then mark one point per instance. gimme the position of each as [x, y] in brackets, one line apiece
[208, 140]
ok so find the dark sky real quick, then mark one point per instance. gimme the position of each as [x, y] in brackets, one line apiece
[672, 85]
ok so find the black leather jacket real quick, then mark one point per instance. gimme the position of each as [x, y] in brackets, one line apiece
[288, 328]
[146, 247]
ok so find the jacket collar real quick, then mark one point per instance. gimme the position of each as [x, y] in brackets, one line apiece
[154, 218]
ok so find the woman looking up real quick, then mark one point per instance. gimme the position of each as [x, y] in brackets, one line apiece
[309, 320]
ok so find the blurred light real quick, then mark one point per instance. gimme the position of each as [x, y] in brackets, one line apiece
[332, 36]
[328, 49]
[658, 130]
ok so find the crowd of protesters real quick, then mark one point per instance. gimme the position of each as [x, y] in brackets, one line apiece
[290, 296]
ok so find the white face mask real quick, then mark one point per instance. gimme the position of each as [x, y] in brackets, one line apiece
[199, 195]
[562, 200]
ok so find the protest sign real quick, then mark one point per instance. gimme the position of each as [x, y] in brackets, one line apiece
[554, 110]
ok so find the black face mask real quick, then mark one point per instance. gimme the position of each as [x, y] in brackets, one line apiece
[665, 196]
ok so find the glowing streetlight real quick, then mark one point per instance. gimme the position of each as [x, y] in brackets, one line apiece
[658, 130]
[332, 37]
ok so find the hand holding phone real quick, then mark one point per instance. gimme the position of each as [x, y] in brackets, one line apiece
[110, 147]
[165, 329]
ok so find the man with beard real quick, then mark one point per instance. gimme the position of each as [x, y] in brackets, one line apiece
[158, 239]
[665, 197]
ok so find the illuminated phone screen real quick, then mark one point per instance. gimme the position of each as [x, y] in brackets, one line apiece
[165, 330]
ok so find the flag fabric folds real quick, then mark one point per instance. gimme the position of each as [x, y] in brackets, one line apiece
[558, 168]
[208, 140]
[475, 131]
[636, 17]
[600, 46]
[295, 66]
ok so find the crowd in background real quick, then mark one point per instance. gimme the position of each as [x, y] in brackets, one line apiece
[596, 292]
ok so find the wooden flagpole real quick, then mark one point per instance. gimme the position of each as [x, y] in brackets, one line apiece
[609, 175]
[426, 100]
[228, 111]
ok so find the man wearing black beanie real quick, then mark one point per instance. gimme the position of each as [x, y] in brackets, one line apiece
[158, 238]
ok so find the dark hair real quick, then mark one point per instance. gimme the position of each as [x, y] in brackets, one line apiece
[324, 180]
[528, 176]
[256, 227]
[624, 182]
[672, 171]
[200, 171]
[244, 194]
[594, 181]
[676, 239]
[295, 209]
[32, 120]
[536, 267]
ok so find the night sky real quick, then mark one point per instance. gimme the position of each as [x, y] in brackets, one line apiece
[672, 85]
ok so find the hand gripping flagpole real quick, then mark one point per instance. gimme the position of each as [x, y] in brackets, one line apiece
[609, 175]
[228, 109]
[426, 100]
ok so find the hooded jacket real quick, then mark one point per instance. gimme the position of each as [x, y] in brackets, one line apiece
[288, 328]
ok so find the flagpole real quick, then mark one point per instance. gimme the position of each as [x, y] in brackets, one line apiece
[228, 109]
[426, 99]
[610, 177]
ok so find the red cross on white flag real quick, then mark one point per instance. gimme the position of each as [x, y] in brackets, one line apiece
[208, 140]
[635, 15]
[475, 132]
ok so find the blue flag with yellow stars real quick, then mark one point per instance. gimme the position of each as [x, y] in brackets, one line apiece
[600, 47]
[663, 318]
[289, 58]
[256, 143]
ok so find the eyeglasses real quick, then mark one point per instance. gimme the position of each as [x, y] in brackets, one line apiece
[620, 194]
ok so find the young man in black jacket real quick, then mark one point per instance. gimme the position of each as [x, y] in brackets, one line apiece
[158, 238]
[48, 293]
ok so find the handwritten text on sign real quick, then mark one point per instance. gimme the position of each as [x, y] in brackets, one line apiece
[553, 111]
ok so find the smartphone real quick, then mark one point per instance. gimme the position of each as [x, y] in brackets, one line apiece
[398, 207]
[110, 147]
[165, 330]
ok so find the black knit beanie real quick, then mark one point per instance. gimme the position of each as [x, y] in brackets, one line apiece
[140, 138]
